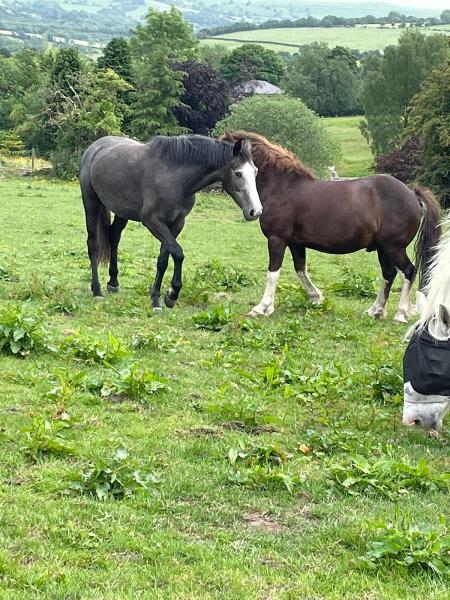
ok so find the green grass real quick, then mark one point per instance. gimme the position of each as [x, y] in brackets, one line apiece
[358, 38]
[304, 377]
[357, 159]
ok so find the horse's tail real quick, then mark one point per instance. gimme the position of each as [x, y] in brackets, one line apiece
[429, 232]
[104, 245]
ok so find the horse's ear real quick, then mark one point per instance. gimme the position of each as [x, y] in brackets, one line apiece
[237, 147]
[421, 303]
[444, 315]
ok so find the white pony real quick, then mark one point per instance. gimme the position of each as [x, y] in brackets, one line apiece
[426, 364]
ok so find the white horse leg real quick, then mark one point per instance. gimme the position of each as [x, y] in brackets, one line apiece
[267, 304]
[404, 307]
[314, 294]
[378, 308]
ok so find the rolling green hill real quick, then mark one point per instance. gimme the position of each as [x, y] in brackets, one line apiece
[288, 40]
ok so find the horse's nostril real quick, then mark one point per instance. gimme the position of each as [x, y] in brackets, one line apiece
[417, 422]
[252, 213]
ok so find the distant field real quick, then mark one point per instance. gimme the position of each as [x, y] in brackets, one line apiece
[357, 158]
[354, 37]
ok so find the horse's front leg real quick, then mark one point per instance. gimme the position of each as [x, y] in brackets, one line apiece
[169, 246]
[277, 248]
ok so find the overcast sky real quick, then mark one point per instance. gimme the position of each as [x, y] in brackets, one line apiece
[433, 4]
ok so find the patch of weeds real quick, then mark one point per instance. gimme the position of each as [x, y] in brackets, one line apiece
[294, 298]
[47, 436]
[66, 383]
[260, 466]
[88, 348]
[419, 547]
[248, 412]
[268, 479]
[387, 383]
[321, 442]
[149, 340]
[335, 381]
[354, 284]
[220, 277]
[7, 274]
[385, 477]
[65, 302]
[214, 319]
[135, 383]
[19, 333]
[37, 288]
[116, 477]
[266, 455]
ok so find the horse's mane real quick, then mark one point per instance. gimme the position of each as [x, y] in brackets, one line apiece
[437, 288]
[268, 155]
[193, 149]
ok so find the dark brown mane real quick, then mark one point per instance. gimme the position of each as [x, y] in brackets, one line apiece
[268, 155]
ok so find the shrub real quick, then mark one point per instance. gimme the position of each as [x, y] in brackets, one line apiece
[19, 333]
[113, 478]
[415, 547]
[404, 163]
[286, 121]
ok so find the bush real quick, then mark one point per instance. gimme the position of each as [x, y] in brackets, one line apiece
[286, 121]
[404, 163]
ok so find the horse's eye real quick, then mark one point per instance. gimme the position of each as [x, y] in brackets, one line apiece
[238, 173]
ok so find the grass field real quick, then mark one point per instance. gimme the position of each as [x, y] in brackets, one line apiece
[247, 412]
[354, 37]
[357, 159]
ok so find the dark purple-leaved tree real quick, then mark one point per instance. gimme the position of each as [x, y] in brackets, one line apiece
[206, 97]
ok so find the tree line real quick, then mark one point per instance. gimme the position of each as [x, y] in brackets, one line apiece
[162, 81]
[328, 21]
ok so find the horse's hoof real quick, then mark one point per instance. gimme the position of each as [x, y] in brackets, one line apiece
[99, 298]
[157, 310]
[168, 301]
[113, 289]
[400, 319]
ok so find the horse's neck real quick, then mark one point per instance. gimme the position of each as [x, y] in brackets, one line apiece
[205, 178]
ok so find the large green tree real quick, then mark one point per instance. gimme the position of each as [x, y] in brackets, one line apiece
[286, 121]
[165, 39]
[430, 119]
[252, 61]
[388, 89]
[117, 56]
[328, 81]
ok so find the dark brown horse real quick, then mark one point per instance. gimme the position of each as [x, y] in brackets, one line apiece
[376, 213]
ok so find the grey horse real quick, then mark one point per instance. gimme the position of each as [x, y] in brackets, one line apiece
[155, 184]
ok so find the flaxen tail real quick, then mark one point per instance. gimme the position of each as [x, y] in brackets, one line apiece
[104, 245]
[429, 232]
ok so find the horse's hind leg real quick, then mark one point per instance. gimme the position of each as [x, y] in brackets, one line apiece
[400, 259]
[388, 270]
[299, 258]
[114, 232]
[93, 209]
[277, 248]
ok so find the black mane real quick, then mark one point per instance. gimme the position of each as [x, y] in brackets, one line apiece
[193, 149]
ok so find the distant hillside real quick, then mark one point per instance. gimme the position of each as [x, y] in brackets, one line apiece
[288, 40]
[89, 24]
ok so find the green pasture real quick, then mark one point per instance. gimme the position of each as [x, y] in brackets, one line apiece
[256, 489]
[358, 38]
[357, 159]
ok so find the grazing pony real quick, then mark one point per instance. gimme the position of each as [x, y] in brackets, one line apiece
[154, 184]
[426, 363]
[376, 213]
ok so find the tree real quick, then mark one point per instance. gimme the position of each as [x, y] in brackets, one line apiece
[94, 111]
[252, 61]
[66, 70]
[388, 90]
[213, 54]
[405, 163]
[327, 81]
[430, 118]
[156, 46]
[205, 99]
[445, 16]
[117, 56]
[286, 121]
